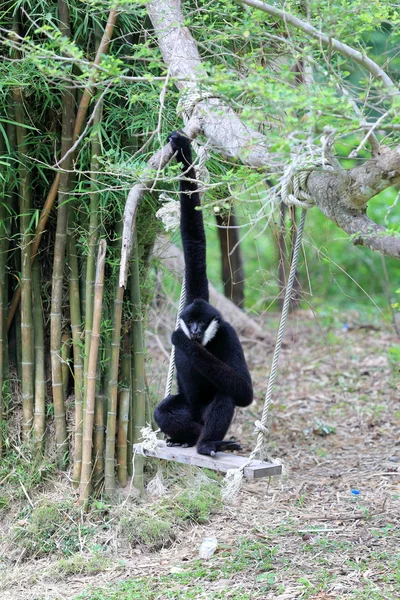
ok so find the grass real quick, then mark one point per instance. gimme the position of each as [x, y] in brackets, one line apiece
[303, 536]
[60, 528]
[20, 472]
[147, 531]
[80, 564]
[154, 528]
[252, 569]
[52, 527]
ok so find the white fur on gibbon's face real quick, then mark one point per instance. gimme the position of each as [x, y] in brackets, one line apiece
[209, 333]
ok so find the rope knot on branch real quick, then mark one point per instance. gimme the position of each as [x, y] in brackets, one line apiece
[185, 107]
[294, 179]
[190, 98]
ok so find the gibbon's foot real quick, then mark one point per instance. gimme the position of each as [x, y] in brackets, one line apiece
[172, 442]
[211, 448]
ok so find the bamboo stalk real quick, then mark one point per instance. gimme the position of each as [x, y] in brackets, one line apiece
[39, 419]
[27, 353]
[80, 118]
[92, 376]
[3, 296]
[109, 459]
[123, 411]
[93, 237]
[102, 49]
[138, 411]
[59, 262]
[98, 440]
[76, 332]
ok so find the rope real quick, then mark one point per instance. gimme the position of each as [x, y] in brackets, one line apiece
[171, 367]
[234, 477]
[294, 179]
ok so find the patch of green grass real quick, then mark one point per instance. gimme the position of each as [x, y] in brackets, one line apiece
[144, 529]
[310, 588]
[165, 588]
[394, 359]
[197, 503]
[248, 555]
[52, 527]
[251, 554]
[155, 527]
[22, 469]
[4, 503]
[80, 564]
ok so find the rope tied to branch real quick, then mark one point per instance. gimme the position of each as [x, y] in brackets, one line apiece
[293, 193]
[293, 184]
[187, 103]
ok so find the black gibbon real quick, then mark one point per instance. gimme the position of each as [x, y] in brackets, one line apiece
[211, 368]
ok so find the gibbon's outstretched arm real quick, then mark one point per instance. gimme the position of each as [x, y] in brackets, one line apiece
[192, 227]
[234, 381]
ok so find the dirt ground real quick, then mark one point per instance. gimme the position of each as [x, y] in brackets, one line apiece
[332, 521]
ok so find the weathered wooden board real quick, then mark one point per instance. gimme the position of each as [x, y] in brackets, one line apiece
[222, 461]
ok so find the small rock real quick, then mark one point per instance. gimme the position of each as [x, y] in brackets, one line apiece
[176, 570]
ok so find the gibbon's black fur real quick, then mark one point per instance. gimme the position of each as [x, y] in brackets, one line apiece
[211, 368]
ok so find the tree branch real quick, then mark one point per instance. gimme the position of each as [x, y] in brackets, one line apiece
[341, 195]
[331, 42]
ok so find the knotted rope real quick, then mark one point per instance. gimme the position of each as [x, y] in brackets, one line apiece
[171, 368]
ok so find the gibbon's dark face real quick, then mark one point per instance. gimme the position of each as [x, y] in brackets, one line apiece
[200, 321]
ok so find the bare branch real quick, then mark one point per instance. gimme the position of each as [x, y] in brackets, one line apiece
[340, 47]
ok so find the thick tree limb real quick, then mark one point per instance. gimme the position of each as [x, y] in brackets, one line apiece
[219, 123]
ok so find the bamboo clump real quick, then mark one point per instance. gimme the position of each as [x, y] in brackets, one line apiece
[66, 319]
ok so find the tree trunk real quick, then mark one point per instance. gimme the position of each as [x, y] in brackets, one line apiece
[231, 260]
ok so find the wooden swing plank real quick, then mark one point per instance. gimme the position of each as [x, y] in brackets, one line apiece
[222, 461]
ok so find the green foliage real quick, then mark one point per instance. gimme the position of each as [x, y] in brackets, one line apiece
[394, 358]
